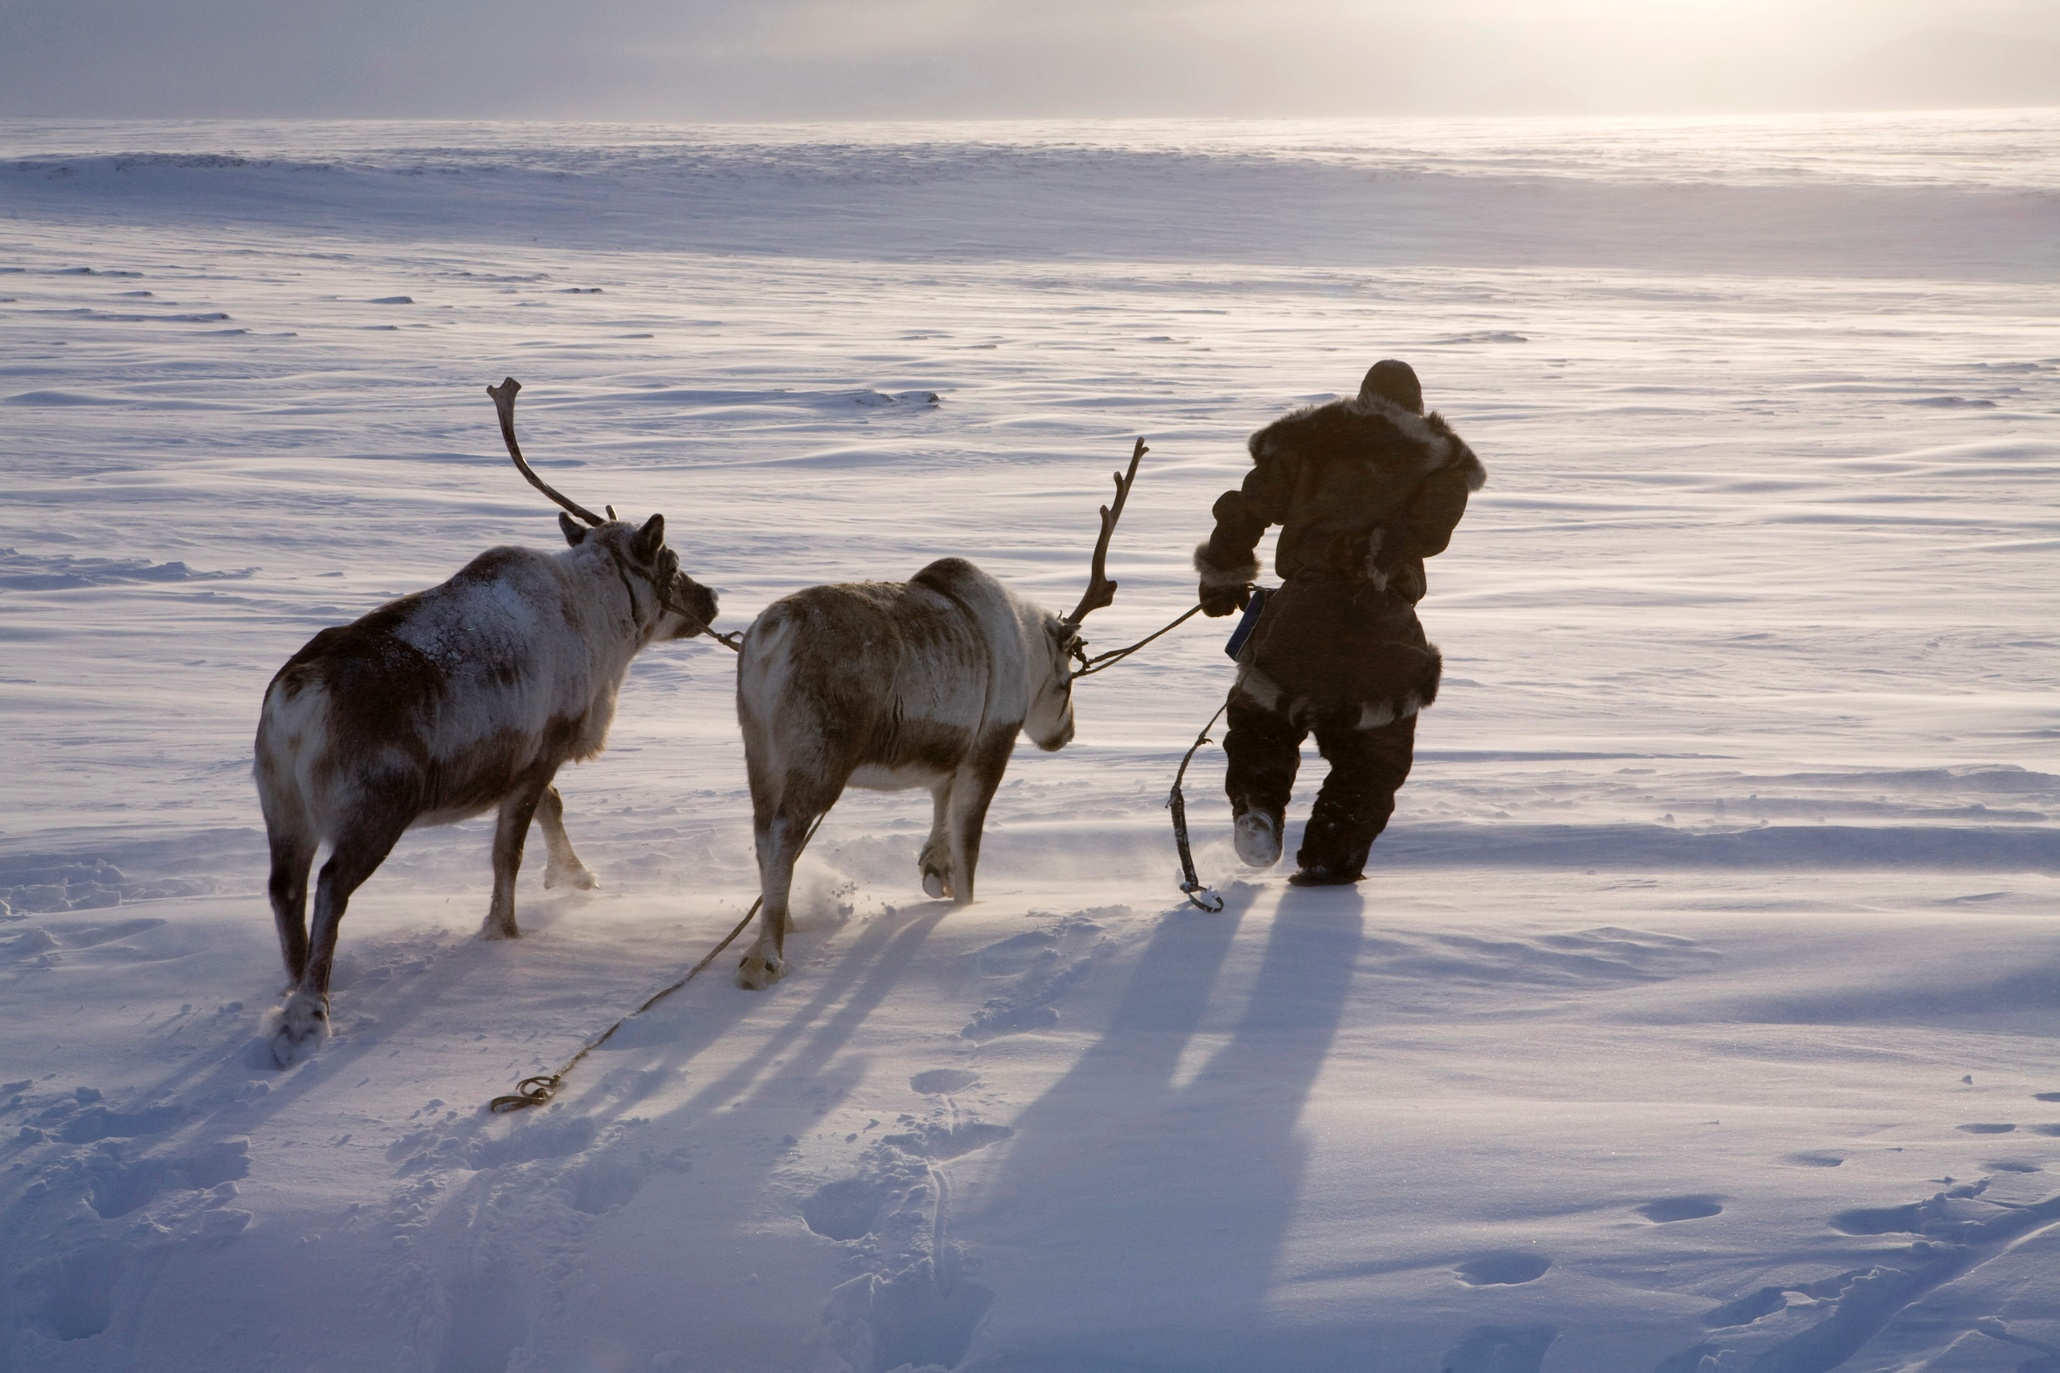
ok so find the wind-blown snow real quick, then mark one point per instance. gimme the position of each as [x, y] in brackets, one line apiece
[1697, 1015]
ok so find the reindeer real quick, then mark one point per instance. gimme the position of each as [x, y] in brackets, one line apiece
[448, 703]
[892, 685]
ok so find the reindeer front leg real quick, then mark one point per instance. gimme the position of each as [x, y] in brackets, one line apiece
[935, 860]
[972, 789]
[516, 813]
[561, 865]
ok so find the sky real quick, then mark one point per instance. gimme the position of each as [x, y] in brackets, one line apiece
[858, 59]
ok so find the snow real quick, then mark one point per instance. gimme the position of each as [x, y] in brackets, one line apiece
[1697, 1014]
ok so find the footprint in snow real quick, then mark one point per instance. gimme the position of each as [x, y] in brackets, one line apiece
[1032, 971]
[942, 1081]
[2049, 1362]
[1668, 1209]
[1500, 1349]
[71, 1296]
[846, 1209]
[943, 1144]
[118, 1188]
[1986, 1129]
[1747, 1309]
[1860, 1302]
[1506, 1269]
[1813, 1160]
[2045, 1096]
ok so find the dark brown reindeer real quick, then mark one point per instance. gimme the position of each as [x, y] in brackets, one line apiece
[449, 703]
[891, 685]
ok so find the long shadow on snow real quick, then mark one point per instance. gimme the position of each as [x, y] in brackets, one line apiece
[1615, 847]
[860, 979]
[728, 1118]
[1152, 1210]
[81, 1271]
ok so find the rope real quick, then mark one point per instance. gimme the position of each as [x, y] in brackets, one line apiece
[733, 642]
[1199, 893]
[1101, 662]
[535, 1091]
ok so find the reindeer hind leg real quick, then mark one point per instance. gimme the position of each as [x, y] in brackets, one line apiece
[562, 867]
[302, 1023]
[293, 854]
[935, 859]
[779, 848]
[513, 828]
[782, 827]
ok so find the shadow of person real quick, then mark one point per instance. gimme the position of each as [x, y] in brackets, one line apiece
[1149, 1204]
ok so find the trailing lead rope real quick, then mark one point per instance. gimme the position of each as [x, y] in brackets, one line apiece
[535, 1091]
[1201, 895]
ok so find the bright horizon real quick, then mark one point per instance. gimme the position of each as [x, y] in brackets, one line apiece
[969, 59]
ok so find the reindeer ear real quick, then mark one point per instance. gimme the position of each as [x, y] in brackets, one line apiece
[575, 533]
[644, 547]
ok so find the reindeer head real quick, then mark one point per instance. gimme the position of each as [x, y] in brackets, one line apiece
[665, 601]
[670, 604]
[1049, 722]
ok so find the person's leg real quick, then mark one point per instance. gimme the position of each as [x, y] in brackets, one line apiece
[1367, 767]
[1265, 749]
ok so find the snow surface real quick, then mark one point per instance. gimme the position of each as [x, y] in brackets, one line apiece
[1697, 1015]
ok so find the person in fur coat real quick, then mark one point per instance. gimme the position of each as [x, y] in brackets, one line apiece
[1364, 490]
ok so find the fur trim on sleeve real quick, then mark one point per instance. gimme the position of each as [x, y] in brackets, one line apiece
[1225, 578]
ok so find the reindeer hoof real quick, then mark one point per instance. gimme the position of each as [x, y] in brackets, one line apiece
[298, 1029]
[758, 971]
[500, 925]
[579, 879]
[934, 885]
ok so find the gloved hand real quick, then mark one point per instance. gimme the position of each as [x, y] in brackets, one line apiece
[1219, 600]
[1226, 580]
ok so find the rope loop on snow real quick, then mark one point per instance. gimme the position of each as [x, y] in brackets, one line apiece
[538, 1090]
[1198, 892]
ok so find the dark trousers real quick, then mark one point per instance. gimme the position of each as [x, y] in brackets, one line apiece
[1367, 767]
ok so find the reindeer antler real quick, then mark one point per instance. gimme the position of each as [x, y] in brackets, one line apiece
[504, 404]
[1100, 590]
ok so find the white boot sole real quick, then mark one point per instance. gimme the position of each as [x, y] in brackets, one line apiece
[1258, 844]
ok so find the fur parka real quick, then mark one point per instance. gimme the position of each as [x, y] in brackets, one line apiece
[1361, 487]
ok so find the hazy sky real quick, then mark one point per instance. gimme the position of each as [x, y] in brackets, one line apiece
[736, 59]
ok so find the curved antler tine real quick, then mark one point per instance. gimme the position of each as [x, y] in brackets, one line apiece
[1100, 590]
[504, 405]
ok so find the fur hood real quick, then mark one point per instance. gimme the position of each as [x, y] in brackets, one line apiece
[1369, 427]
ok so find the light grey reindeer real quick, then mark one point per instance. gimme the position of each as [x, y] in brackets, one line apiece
[892, 685]
[448, 703]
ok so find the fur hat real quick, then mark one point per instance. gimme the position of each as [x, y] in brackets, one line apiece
[1394, 381]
